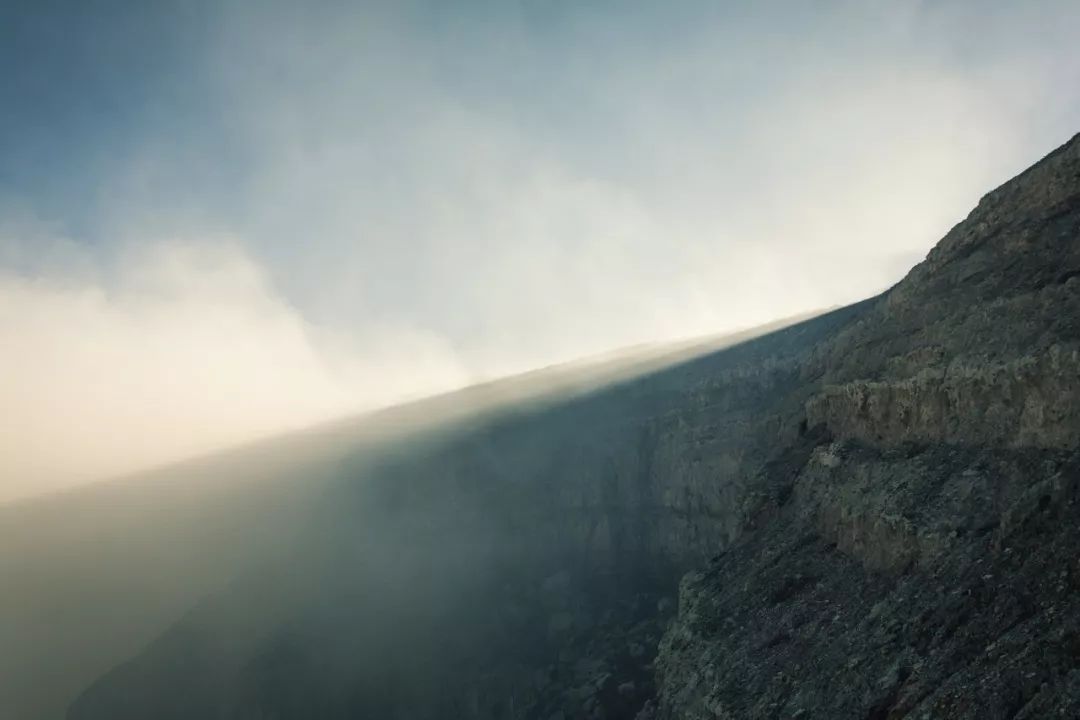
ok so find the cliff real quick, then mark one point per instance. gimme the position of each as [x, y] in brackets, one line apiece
[924, 565]
[877, 506]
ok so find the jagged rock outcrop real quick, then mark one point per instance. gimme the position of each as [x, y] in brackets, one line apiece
[924, 564]
[1028, 402]
[881, 503]
[947, 590]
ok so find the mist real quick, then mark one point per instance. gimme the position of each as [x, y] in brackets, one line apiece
[245, 219]
[414, 360]
[187, 351]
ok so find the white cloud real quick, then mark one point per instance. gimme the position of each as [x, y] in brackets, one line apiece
[415, 199]
[185, 350]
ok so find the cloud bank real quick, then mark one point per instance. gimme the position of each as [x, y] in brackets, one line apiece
[372, 201]
[186, 350]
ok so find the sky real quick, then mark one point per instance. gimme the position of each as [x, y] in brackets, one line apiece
[220, 220]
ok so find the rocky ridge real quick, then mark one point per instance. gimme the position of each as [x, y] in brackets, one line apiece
[924, 562]
[878, 507]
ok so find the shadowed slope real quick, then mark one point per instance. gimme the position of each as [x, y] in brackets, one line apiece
[93, 574]
[888, 490]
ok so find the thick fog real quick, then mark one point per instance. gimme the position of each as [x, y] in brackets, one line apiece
[186, 350]
[220, 221]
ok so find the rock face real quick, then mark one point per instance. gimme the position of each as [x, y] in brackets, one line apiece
[924, 564]
[878, 507]
[1028, 402]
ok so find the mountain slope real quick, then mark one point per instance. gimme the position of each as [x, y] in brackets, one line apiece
[883, 500]
[924, 565]
[91, 576]
[461, 533]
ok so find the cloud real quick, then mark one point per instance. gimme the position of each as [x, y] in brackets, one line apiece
[538, 185]
[388, 199]
[185, 349]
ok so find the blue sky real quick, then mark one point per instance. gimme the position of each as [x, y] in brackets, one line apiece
[400, 197]
[87, 82]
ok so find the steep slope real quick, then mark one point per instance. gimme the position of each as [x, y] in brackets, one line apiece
[456, 570]
[887, 493]
[89, 577]
[925, 563]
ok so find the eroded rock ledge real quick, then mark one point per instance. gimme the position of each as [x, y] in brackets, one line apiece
[1030, 402]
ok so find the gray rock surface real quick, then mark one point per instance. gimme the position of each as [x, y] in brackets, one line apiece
[924, 563]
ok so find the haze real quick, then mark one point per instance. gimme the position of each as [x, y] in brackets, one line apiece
[224, 220]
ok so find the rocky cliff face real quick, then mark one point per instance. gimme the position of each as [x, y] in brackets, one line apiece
[924, 564]
[878, 506]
